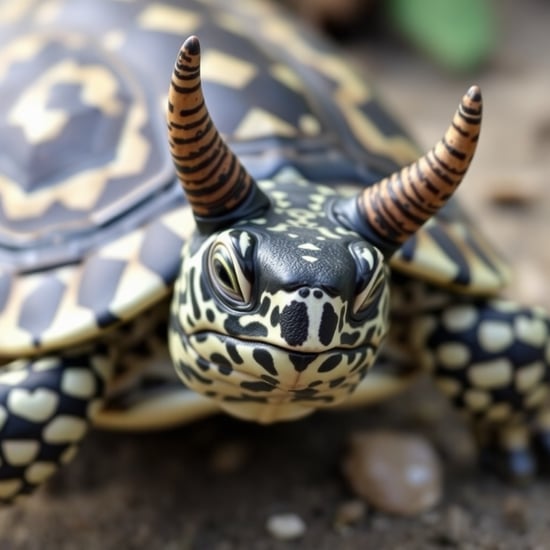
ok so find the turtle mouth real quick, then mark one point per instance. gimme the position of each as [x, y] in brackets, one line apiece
[257, 367]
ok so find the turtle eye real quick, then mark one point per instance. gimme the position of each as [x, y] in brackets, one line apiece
[371, 292]
[227, 275]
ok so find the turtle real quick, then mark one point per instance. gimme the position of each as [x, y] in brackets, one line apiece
[283, 247]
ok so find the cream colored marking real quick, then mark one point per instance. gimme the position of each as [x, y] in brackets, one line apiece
[531, 331]
[308, 246]
[258, 122]
[530, 375]
[499, 412]
[477, 400]
[491, 374]
[13, 378]
[40, 123]
[453, 355]
[64, 429]
[166, 18]
[288, 77]
[9, 487]
[449, 386]
[39, 472]
[78, 382]
[20, 453]
[113, 40]
[69, 313]
[47, 11]
[69, 454]
[82, 190]
[21, 49]
[227, 70]
[36, 406]
[11, 12]
[309, 125]
[427, 251]
[310, 259]
[537, 396]
[495, 336]
[127, 300]
[46, 363]
[244, 242]
[459, 318]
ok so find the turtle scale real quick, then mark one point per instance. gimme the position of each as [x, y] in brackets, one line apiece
[293, 102]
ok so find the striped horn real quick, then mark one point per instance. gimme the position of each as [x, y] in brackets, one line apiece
[396, 207]
[217, 186]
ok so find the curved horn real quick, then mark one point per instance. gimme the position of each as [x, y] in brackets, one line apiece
[215, 182]
[395, 207]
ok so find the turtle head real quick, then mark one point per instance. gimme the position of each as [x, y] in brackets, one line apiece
[282, 301]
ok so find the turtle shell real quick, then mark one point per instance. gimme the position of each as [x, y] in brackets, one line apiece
[91, 217]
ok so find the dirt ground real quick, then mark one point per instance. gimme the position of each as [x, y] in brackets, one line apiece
[180, 490]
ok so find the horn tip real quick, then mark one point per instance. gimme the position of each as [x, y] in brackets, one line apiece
[192, 45]
[474, 94]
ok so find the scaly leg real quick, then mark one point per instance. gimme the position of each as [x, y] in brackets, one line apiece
[492, 358]
[46, 404]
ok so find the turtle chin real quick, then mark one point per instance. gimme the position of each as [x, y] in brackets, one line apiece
[265, 383]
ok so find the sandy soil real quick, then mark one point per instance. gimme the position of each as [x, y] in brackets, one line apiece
[213, 485]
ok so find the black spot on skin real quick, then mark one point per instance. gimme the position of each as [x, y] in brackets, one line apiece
[275, 317]
[329, 320]
[265, 360]
[203, 286]
[318, 294]
[233, 353]
[252, 330]
[257, 386]
[203, 364]
[304, 292]
[264, 308]
[306, 393]
[349, 338]
[301, 360]
[224, 366]
[331, 363]
[337, 382]
[201, 337]
[191, 374]
[294, 323]
[210, 315]
[269, 379]
[194, 303]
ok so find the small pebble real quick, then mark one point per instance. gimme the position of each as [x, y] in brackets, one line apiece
[398, 474]
[286, 526]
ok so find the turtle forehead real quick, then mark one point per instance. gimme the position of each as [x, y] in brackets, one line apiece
[298, 242]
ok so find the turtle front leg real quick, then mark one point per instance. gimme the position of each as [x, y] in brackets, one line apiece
[492, 358]
[46, 404]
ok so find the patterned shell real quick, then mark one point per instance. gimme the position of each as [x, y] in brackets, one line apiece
[91, 217]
